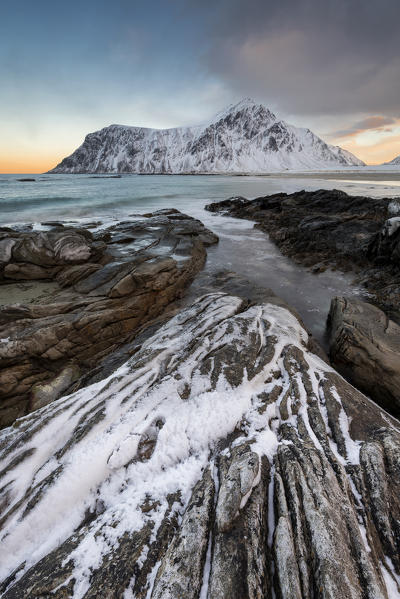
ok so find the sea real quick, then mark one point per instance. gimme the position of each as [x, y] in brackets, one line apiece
[81, 199]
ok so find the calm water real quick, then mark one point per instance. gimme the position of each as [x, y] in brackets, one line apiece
[241, 249]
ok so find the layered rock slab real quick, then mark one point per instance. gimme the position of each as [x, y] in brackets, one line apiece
[224, 459]
[365, 346]
[112, 281]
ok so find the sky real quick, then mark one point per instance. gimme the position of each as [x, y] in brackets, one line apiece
[69, 68]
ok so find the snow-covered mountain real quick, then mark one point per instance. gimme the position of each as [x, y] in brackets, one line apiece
[246, 137]
[394, 162]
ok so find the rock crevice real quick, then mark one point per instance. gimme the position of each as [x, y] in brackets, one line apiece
[269, 475]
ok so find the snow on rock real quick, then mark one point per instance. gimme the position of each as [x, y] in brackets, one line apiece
[245, 137]
[135, 269]
[394, 162]
[392, 225]
[223, 459]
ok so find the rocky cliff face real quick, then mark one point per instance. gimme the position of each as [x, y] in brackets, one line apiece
[111, 282]
[223, 460]
[246, 137]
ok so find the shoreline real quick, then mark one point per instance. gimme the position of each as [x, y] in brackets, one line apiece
[328, 174]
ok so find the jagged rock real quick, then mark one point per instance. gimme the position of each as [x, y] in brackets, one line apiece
[365, 347]
[386, 245]
[181, 571]
[328, 228]
[270, 475]
[113, 282]
[236, 486]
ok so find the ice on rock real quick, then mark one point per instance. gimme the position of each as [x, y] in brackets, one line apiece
[219, 459]
[392, 225]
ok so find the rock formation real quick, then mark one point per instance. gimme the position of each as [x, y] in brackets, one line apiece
[324, 229]
[112, 281]
[328, 228]
[365, 346]
[224, 460]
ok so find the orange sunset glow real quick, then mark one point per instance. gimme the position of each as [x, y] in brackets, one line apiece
[29, 161]
[23, 163]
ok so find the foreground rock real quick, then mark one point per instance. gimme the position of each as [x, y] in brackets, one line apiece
[111, 282]
[223, 460]
[365, 346]
[328, 228]
[332, 229]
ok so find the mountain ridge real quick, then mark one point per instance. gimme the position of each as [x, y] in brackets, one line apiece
[244, 137]
[395, 161]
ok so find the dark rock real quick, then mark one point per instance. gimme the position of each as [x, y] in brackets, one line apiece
[365, 347]
[328, 228]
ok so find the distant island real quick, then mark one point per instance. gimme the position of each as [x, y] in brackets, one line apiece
[244, 138]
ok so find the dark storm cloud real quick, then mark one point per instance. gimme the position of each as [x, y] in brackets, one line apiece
[310, 56]
[372, 123]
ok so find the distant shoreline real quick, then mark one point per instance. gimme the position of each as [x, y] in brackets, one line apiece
[363, 173]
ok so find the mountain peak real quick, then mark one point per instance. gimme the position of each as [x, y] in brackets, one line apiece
[244, 137]
[244, 104]
[394, 162]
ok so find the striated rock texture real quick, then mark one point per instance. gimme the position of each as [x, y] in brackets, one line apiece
[112, 281]
[328, 228]
[246, 137]
[365, 346]
[223, 460]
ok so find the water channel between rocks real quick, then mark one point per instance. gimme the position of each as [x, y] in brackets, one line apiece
[241, 249]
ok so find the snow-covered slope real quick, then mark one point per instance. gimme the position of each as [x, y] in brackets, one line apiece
[223, 460]
[246, 137]
[395, 161]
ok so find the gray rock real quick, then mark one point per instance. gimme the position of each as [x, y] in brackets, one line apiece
[223, 459]
[236, 486]
[365, 347]
[181, 571]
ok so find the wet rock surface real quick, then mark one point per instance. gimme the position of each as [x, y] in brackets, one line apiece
[111, 281]
[224, 459]
[330, 229]
[365, 346]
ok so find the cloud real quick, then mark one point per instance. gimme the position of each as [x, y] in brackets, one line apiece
[382, 150]
[374, 123]
[314, 57]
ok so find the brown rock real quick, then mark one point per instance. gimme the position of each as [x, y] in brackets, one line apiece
[365, 347]
[107, 295]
